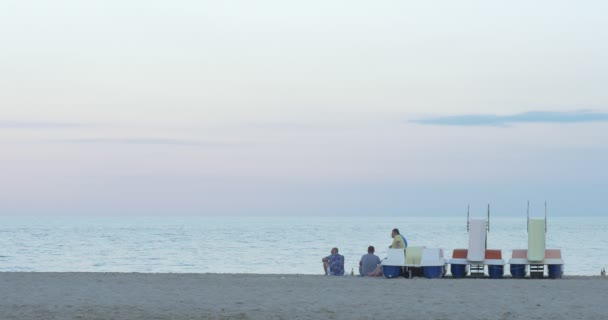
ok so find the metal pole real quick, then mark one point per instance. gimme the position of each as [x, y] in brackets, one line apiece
[528, 218]
[488, 224]
[545, 216]
[468, 211]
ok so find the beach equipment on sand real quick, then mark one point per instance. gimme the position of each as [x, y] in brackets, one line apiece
[496, 265]
[427, 262]
[458, 264]
[518, 263]
[423, 261]
[474, 259]
[433, 263]
[477, 240]
[392, 266]
[537, 256]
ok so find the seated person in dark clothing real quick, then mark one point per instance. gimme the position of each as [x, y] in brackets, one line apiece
[334, 263]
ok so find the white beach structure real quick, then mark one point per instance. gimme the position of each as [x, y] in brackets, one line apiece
[474, 259]
[429, 262]
[537, 256]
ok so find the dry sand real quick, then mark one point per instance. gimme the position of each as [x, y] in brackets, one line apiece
[214, 296]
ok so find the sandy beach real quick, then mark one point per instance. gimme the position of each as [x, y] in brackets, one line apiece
[225, 296]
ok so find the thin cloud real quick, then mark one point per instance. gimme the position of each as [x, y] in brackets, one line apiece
[13, 124]
[527, 117]
[151, 141]
[283, 125]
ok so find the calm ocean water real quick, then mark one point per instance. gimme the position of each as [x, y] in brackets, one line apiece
[263, 245]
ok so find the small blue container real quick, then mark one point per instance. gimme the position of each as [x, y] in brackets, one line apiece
[458, 270]
[391, 271]
[495, 271]
[518, 271]
[555, 271]
[433, 272]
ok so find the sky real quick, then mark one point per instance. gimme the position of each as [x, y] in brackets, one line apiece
[303, 108]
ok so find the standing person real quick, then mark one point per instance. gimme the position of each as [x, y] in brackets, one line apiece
[369, 262]
[398, 240]
[333, 264]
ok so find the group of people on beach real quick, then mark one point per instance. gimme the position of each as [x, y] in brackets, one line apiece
[369, 265]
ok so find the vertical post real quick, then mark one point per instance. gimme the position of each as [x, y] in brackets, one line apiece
[468, 220]
[545, 216]
[528, 218]
[488, 223]
[488, 226]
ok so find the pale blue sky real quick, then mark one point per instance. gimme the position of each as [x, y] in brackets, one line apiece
[315, 107]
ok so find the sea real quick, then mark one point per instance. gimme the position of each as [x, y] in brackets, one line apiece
[265, 245]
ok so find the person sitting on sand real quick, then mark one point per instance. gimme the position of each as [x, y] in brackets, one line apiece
[334, 263]
[398, 240]
[369, 262]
